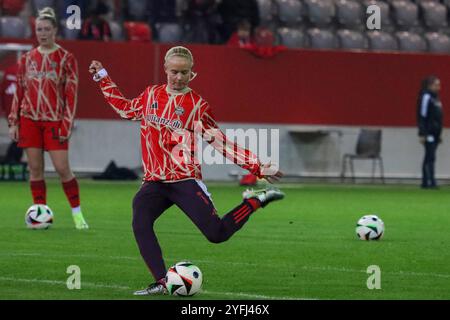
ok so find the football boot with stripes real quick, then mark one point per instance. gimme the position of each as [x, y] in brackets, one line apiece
[157, 288]
[265, 196]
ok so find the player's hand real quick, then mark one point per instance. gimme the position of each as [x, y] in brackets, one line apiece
[63, 136]
[14, 133]
[95, 66]
[271, 173]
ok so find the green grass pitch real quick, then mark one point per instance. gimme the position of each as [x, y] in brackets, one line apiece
[303, 247]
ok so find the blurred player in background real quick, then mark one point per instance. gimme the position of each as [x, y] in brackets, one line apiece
[429, 119]
[43, 111]
[164, 111]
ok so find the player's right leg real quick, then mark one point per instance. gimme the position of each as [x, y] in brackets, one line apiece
[148, 204]
[192, 197]
[35, 158]
[31, 140]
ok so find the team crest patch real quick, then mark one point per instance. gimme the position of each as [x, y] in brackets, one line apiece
[179, 110]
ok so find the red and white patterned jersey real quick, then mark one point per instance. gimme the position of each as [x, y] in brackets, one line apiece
[168, 118]
[47, 84]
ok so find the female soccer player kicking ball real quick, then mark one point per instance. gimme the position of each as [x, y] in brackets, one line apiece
[43, 110]
[167, 112]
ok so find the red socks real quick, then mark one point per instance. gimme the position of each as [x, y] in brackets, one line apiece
[39, 192]
[254, 203]
[72, 192]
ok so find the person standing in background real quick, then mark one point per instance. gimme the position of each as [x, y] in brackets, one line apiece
[429, 119]
[43, 111]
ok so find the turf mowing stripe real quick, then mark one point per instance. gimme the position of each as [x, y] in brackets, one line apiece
[306, 268]
[98, 285]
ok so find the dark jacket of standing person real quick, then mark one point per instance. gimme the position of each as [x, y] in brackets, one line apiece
[429, 115]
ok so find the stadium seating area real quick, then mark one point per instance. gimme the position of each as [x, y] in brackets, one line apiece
[406, 25]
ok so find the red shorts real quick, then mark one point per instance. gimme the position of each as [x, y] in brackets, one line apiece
[40, 134]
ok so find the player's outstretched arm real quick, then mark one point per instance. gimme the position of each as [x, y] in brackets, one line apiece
[127, 109]
[242, 157]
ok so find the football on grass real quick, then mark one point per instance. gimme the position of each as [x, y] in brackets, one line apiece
[39, 216]
[184, 279]
[370, 227]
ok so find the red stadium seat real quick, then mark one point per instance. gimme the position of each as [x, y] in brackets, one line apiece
[12, 7]
[138, 31]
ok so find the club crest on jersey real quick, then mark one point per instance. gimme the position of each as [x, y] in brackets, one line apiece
[53, 64]
[32, 66]
[179, 110]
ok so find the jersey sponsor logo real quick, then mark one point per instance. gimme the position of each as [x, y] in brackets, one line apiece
[39, 75]
[33, 72]
[175, 124]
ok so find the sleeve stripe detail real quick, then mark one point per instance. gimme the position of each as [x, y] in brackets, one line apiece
[424, 105]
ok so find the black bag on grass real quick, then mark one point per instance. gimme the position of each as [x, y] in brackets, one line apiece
[113, 172]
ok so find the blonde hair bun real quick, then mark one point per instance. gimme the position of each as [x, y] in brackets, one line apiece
[179, 51]
[47, 12]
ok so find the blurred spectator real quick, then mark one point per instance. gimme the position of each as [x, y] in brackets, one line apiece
[201, 20]
[96, 27]
[264, 37]
[138, 10]
[243, 37]
[64, 4]
[8, 88]
[137, 31]
[12, 7]
[161, 11]
[264, 45]
[234, 11]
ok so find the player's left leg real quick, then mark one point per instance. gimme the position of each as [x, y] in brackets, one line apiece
[149, 203]
[432, 163]
[60, 159]
[428, 178]
[192, 197]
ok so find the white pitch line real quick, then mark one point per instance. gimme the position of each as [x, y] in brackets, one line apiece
[58, 282]
[117, 287]
[255, 296]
